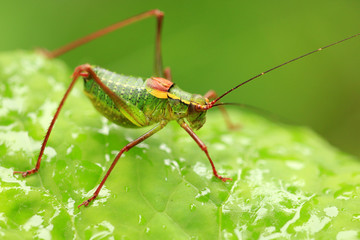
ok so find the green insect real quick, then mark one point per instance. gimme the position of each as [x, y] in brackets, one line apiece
[136, 103]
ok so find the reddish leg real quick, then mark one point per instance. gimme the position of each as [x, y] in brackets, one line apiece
[157, 13]
[82, 70]
[211, 94]
[167, 74]
[203, 147]
[37, 167]
[124, 149]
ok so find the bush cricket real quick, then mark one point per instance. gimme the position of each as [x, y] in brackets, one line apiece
[153, 101]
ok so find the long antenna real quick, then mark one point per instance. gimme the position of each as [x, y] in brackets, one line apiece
[258, 110]
[211, 104]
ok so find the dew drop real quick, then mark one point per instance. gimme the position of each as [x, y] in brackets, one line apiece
[203, 195]
[142, 220]
[192, 207]
[356, 217]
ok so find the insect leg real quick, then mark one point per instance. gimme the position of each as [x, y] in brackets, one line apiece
[157, 13]
[211, 94]
[167, 74]
[37, 167]
[132, 113]
[157, 128]
[203, 147]
[85, 70]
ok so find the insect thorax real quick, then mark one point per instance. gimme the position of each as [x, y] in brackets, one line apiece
[184, 103]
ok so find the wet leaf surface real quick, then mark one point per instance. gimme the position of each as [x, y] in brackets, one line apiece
[287, 182]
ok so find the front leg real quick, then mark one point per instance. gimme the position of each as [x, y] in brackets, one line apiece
[203, 147]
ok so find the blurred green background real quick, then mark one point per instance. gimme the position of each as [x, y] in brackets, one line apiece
[215, 45]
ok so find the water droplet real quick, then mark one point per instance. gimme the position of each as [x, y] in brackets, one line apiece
[34, 221]
[203, 195]
[142, 220]
[165, 148]
[295, 165]
[331, 211]
[172, 164]
[69, 149]
[351, 234]
[356, 217]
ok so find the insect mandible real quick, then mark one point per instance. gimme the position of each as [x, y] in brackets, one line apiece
[135, 104]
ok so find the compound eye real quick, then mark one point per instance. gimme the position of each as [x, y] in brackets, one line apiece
[199, 108]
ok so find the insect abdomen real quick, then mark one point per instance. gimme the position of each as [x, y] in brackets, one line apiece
[131, 89]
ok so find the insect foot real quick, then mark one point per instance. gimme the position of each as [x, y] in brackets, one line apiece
[86, 203]
[224, 179]
[26, 173]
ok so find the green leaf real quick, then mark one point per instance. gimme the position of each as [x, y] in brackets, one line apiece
[287, 182]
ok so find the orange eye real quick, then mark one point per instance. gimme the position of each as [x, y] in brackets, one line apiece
[199, 108]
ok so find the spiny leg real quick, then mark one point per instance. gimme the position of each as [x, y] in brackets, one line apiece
[82, 70]
[211, 94]
[157, 13]
[37, 166]
[157, 128]
[203, 147]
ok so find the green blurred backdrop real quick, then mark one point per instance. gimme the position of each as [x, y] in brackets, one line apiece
[215, 45]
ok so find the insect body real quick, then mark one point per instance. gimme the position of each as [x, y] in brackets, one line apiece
[134, 102]
[150, 101]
